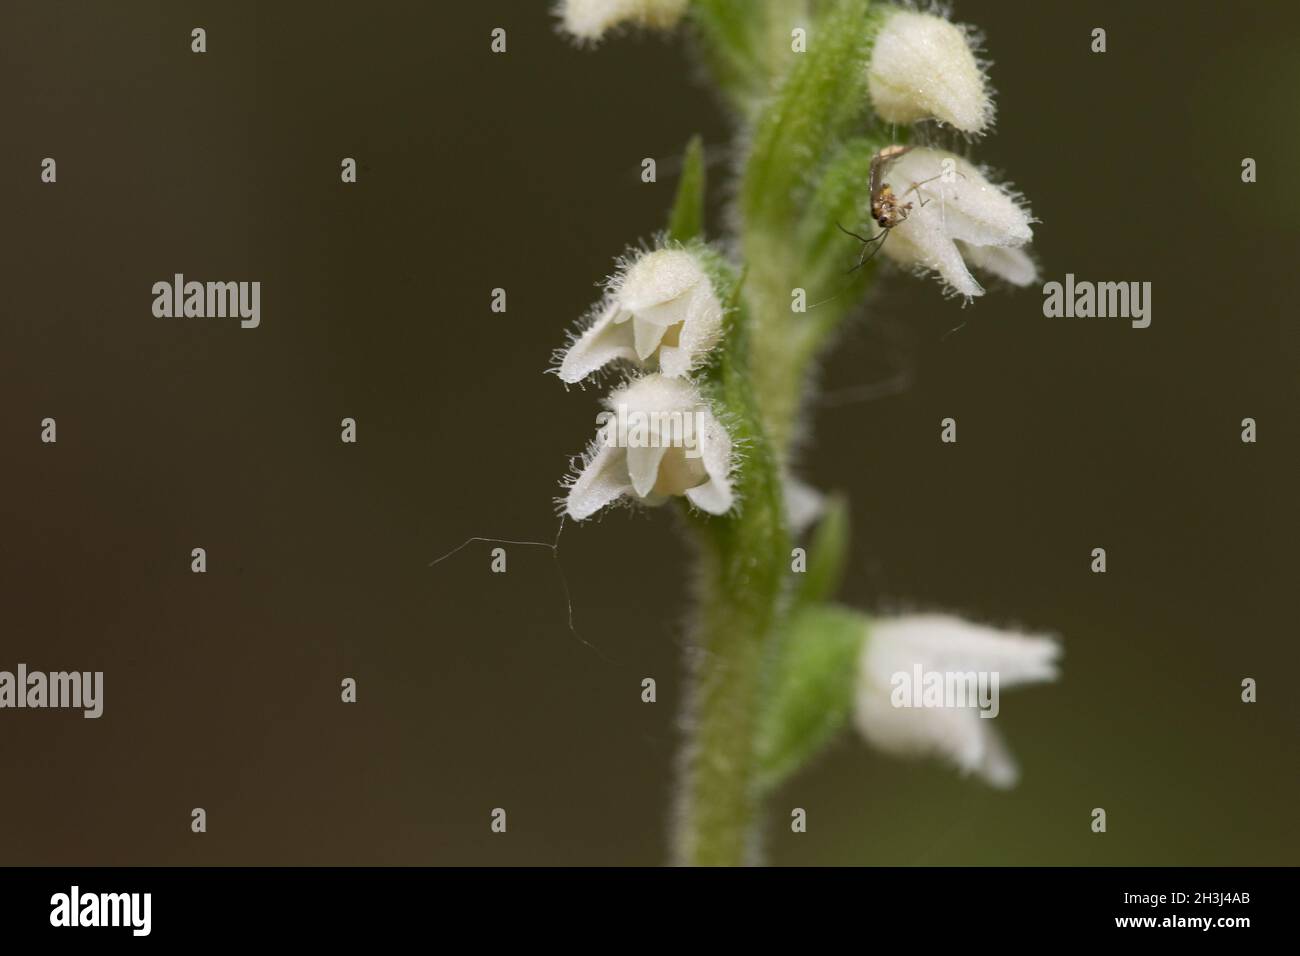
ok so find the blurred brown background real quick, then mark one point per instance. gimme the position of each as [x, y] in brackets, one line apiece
[522, 171]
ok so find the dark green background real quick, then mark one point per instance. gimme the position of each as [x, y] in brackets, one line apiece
[522, 171]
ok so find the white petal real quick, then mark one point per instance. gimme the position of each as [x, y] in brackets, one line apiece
[699, 333]
[643, 468]
[919, 244]
[589, 19]
[1006, 262]
[942, 644]
[606, 340]
[664, 275]
[959, 735]
[647, 336]
[654, 393]
[679, 474]
[998, 767]
[603, 480]
[675, 361]
[922, 66]
[715, 496]
[664, 314]
[960, 201]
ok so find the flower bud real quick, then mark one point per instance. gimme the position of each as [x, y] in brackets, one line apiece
[922, 67]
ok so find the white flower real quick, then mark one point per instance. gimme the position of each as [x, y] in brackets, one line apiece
[923, 67]
[658, 440]
[948, 646]
[662, 308]
[590, 19]
[957, 216]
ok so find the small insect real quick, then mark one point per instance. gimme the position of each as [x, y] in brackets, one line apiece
[887, 209]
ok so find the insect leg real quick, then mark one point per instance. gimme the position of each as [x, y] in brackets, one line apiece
[864, 259]
[916, 186]
[853, 234]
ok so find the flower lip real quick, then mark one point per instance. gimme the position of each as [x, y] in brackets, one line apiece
[660, 310]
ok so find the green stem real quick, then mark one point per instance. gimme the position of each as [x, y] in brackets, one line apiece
[720, 810]
[742, 580]
[809, 106]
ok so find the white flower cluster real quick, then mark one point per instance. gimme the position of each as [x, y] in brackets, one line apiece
[662, 316]
[924, 68]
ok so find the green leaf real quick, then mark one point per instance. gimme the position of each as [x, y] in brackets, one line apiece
[827, 553]
[686, 222]
[812, 691]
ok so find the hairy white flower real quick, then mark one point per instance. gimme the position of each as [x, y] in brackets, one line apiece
[957, 216]
[922, 67]
[591, 19]
[658, 439]
[898, 648]
[660, 309]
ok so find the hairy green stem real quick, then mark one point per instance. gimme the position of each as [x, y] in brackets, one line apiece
[742, 591]
[719, 813]
[801, 175]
